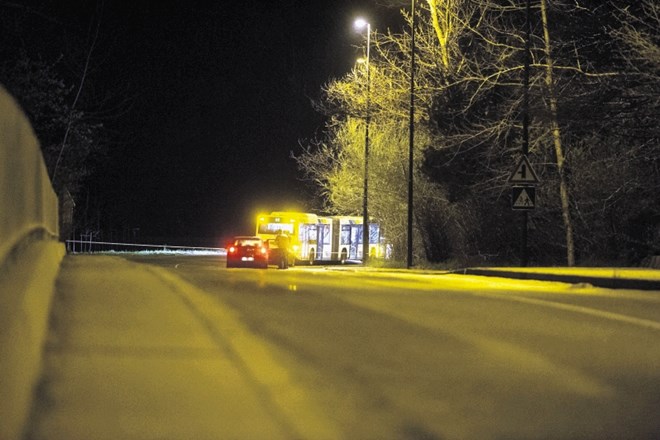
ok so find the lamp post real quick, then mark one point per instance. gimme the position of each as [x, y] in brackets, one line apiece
[411, 144]
[360, 24]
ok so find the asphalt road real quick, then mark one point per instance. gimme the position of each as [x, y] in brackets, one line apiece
[396, 355]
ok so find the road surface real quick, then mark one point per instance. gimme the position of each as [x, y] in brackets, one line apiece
[346, 353]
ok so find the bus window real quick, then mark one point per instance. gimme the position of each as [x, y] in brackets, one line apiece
[324, 249]
[356, 239]
[345, 234]
[374, 233]
[308, 234]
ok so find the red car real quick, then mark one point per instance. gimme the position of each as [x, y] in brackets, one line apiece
[245, 251]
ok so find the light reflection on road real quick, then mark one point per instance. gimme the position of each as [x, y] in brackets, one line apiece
[398, 354]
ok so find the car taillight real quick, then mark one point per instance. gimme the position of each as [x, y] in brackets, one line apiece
[264, 250]
[232, 249]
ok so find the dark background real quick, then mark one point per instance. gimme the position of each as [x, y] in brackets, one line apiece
[205, 104]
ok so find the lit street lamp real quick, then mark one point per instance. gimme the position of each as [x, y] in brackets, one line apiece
[360, 24]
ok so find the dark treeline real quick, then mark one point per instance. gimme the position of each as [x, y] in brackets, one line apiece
[593, 132]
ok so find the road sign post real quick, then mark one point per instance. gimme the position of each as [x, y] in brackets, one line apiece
[523, 196]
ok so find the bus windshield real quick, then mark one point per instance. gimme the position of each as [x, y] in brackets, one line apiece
[270, 226]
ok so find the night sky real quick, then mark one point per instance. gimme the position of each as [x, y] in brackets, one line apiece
[218, 97]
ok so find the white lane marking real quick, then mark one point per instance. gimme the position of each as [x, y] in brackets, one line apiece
[505, 353]
[646, 323]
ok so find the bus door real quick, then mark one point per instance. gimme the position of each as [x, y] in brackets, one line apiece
[308, 239]
[324, 249]
[355, 252]
[374, 240]
[345, 242]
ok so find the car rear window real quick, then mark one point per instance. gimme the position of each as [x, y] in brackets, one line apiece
[248, 242]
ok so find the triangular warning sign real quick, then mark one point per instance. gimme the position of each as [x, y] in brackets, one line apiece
[523, 197]
[524, 173]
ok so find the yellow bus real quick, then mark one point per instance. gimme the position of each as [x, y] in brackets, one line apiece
[315, 238]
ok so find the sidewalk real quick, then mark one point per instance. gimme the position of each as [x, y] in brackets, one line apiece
[135, 352]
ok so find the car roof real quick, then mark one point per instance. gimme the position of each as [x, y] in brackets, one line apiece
[246, 237]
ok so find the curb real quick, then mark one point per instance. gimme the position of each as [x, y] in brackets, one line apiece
[609, 283]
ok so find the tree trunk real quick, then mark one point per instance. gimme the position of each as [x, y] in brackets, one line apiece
[443, 23]
[556, 135]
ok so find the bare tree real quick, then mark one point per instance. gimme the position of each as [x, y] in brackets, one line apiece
[469, 94]
[557, 139]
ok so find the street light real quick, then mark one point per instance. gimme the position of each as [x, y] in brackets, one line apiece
[361, 24]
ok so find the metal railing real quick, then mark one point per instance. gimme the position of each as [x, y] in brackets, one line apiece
[91, 246]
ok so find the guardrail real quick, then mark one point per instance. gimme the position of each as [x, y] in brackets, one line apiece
[89, 246]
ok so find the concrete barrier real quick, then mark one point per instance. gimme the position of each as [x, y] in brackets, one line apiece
[30, 256]
[28, 204]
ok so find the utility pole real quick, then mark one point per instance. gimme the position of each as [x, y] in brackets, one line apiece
[411, 144]
[525, 143]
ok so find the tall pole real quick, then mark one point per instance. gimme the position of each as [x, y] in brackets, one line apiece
[365, 203]
[525, 143]
[361, 23]
[411, 130]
